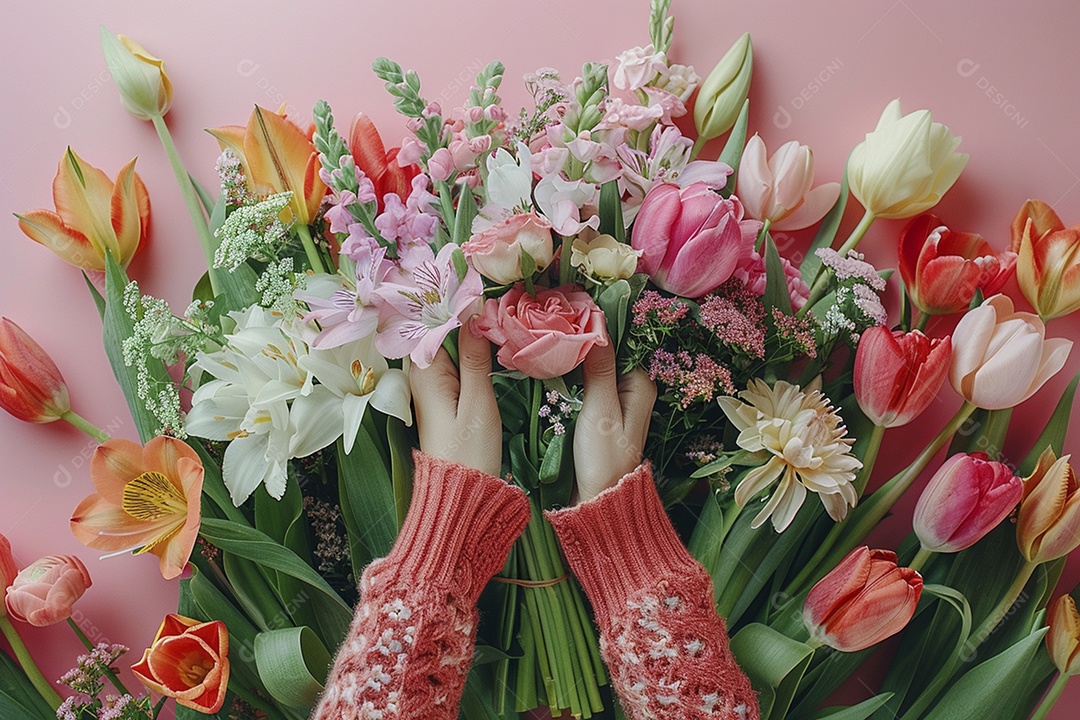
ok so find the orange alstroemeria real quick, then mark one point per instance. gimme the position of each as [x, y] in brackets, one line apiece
[147, 500]
[1048, 262]
[93, 214]
[278, 157]
[189, 662]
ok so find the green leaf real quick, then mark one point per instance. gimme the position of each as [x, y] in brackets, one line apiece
[99, 301]
[1053, 434]
[860, 711]
[18, 696]
[826, 234]
[615, 301]
[367, 494]
[204, 197]
[520, 467]
[253, 591]
[611, 216]
[742, 457]
[401, 470]
[774, 663]
[528, 266]
[733, 150]
[776, 292]
[464, 216]
[213, 605]
[293, 664]
[203, 291]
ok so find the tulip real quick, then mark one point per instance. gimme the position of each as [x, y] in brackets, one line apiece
[604, 259]
[1049, 522]
[147, 499]
[942, 269]
[8, 569]
[94, 215]
[691, 238]
[1048, 267]
[31, 386]
[1002, 357]
[721, 97]
[865, 599]
[278, 157]
[1063, 639]
[145, 89]
[44, 592]
[898, 375]
[379, 164]
[777, 190]
[905, 165]
[967, 498]
[189, 662]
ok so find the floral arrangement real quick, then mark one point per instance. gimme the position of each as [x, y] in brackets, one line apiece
[275, 419]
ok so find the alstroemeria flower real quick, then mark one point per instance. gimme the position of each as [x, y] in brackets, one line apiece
[348, 311]
[94, 215]
[189, 662]
[147, 500]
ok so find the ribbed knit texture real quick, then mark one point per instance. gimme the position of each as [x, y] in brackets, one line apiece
[663, 643]
[410, 645]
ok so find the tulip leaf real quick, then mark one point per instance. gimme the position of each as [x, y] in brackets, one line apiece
[860, 711]
[733, 150]
[464, 216]
[367, 497]
[401, 469]
[204, 197]
[18, 698]
[293, 664]
[824, 677]
[774, 663]
[99, 301]
[611, 215]
[253, 591]
[776, 290]
[615, 301]
[826, 234]
[988, 689]
[1053, 435]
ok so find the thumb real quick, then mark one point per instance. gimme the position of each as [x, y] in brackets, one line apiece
[474, 359]
[601, 378]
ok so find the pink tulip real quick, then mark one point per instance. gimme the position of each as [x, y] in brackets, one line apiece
[967, 498]
[1002, 357]
[31, 386]
[778, 189]
[864, 600]
[897, 374]
[44, 592]
[691, 238]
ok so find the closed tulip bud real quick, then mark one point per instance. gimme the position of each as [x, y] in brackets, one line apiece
[1002, 357]
[1049, 522]
[44, 592]
[942, 268]
[1063, 639]
[604, 259]
[145, 89]
[1048, 266]
[863, 601]
[31, 386]
[898, 374]
[779, 189]
[905, 165]
[723, 93]
[967, 498]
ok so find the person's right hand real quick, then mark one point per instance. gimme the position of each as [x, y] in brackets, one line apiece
[610, 433]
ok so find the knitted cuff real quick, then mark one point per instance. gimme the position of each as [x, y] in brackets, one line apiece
[621, 541]
[460, 526]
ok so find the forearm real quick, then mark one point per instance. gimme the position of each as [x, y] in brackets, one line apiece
[664, 645]
[410, 645]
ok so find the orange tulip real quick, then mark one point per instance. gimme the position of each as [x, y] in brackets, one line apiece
[147, 500]
[278, 157]
[1049, 522]
[864, 600]
[31, 386]
[1048, 262]
[189, 662]
[1063, 640]
[93, 214]
[8, 570]
[44, 592]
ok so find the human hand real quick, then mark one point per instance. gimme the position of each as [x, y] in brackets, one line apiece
[456, 413]
[610, 433]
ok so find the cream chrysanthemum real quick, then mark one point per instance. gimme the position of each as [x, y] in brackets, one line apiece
[809, 450]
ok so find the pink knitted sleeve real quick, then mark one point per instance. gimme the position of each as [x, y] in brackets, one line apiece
[410, 645]
[663, 643]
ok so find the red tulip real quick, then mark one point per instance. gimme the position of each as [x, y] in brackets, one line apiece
[864, 600]
[898, 374]
[8, 570]
[31, 386]
[44, 592]
[965, 499]
[189, 662]
[378, 163]
[942, 269]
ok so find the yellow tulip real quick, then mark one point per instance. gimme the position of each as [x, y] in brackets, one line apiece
[723, 93]
[93, 214]
[1048, 260]
[1049, 522]
[145, 89]
[1063, 640]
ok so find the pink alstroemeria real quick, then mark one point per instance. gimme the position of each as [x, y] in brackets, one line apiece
[418, 313]
[347, 314]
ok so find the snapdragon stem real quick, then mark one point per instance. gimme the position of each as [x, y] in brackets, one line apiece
[26, 662]
[90, 646]
[920, 559]
[821, 284]
[309, 248]
[191, 198]
[80, 423]
[987, 627]
[1051, 697]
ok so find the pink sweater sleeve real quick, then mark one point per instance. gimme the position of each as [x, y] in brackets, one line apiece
[410, 645]
[663, 643]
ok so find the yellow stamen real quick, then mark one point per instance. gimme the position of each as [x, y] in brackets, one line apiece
[152, 496]
[365, 377]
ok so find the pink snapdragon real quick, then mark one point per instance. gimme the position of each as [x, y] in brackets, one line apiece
[410, 222]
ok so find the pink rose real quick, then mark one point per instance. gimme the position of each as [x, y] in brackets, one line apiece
[43, 593]
[543, 336]
[496, 252]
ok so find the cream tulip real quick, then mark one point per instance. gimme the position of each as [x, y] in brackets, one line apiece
[778, 190]
[145, 89]
[723, 93]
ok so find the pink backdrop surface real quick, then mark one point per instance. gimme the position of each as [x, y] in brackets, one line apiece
[1004, 76]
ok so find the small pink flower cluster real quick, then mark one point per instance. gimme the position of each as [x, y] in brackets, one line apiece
[796, 331]
[692, 378]
[737, 319]
[651, 305]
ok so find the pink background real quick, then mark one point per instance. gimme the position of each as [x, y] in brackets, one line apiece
[1004, 76]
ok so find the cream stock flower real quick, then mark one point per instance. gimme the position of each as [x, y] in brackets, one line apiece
[804, 435]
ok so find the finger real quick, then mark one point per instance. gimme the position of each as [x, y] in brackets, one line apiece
[601, 389]
[474, 356]
[435, 386]
[637, 395]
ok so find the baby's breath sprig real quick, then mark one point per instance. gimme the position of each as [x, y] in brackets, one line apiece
[858, 295]
[253, 232]
[233, 182]
[277, 283]
[547, 90]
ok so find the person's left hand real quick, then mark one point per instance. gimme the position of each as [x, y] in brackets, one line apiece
[456, 413]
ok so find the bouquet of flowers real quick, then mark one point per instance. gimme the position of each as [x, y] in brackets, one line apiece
[275, 419]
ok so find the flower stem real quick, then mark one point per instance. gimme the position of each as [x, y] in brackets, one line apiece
[924, 320]
[309, 248]
[191, 198]
[1051, 697]
[90, 646]
[26, 662]
[79, 422]
[873, 447]
[981, 633]
[821, 284]
[698, 144]
[920, 559]
[763, 234]
[857, 234]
